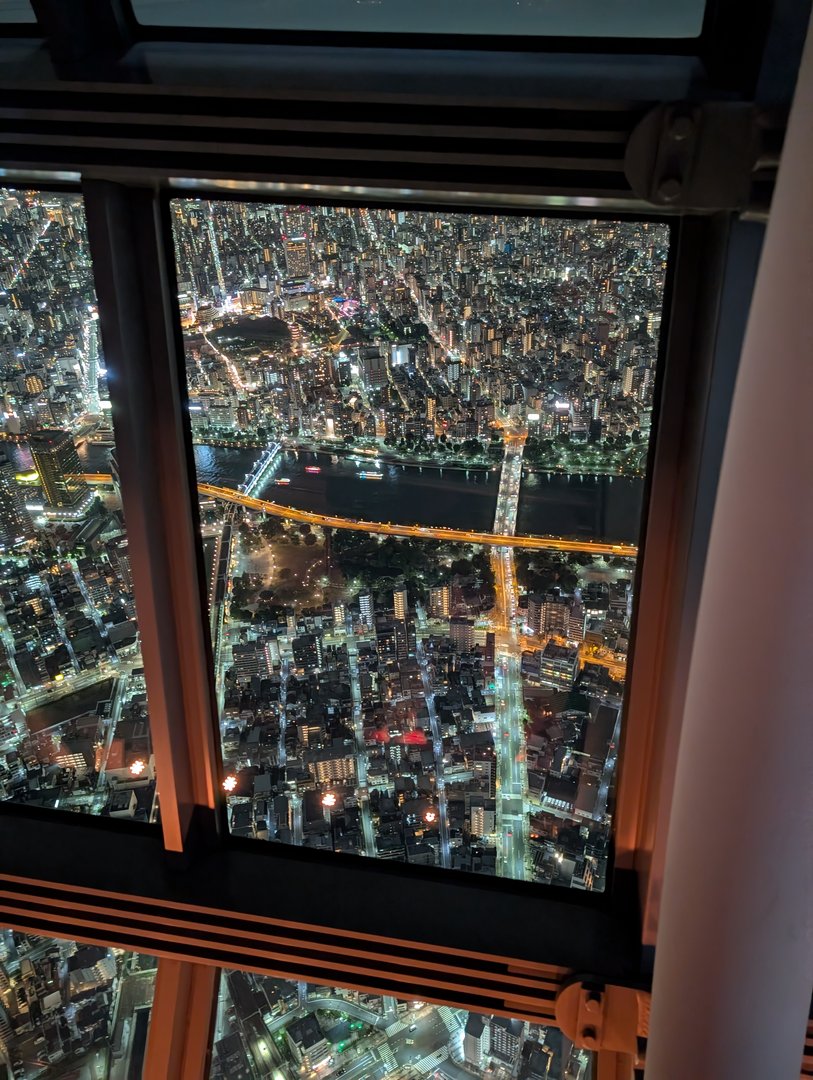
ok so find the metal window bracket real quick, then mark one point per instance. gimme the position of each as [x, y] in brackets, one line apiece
[716, 156]
[604, 1017]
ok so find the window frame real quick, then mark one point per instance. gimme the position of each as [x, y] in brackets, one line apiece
[728, 48]
[114, 881]
[608, 920]
[443, 202]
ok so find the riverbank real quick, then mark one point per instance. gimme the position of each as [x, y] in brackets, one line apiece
[415, 461]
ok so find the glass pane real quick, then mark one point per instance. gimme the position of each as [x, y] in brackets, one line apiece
[285, 1030]
[74, 730]
[71, 1011]
[576, 18]
[420, 444]
[16, 11]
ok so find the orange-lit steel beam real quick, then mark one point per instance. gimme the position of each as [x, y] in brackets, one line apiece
[422, 532]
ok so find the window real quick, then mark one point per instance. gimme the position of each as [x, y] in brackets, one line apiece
[280, 1028]
[586, 18]
[191, 151]
[16, 11]
[74, 731]
[72, 1009]
[373, 394]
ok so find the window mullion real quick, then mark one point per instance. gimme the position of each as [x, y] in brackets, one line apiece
[662, 629]
[129, 241]
[180, 1034]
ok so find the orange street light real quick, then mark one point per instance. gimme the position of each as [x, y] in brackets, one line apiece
[230, 783]
[137, 767]
[430, 816]
[329, 799]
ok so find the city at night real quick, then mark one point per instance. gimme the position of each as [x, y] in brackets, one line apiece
[403, 540]
[420, 445]
[420, 442]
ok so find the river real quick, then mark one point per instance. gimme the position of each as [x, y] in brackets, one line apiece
[601, 508]
[590, 507]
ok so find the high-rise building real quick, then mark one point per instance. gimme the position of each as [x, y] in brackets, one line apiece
[400, 602]
[506, 1039]
[60, 472]
[307, 1042]
[297, 257]
[575, 622]
[440, 602]
[373, 365]
[535, 617]
[339, 616]
[386, 640]
[483, 816]
[488, 656]
[307, 650]
[558, 665]
[330, 764]
[476, 1041]
[366, 608]
[627, 382]
[404, 638]
[556, 613]
[250, 659]
[461, 631]
[15, 524]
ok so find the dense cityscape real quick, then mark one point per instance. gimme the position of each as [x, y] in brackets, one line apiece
[455, 702]
[266, 1027]
[397, 677]
[72, 1011]
[74, 732]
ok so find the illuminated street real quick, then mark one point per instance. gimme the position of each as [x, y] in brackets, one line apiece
[509, 708]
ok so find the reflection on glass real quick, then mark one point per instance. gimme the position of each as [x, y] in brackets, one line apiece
[420, 443]
[268, 1027]
[16, 11]
[69, 1010]
[576, 18]
[74, 732]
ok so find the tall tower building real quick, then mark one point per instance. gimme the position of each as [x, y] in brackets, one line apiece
[297, 253]
[366, 608]
[399, 602]
[476, 1041]
[440, 602]
[506, 1039]
[461, 631]
[15, 524]
[60, 472]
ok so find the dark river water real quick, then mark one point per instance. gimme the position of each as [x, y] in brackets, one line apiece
[593, 507]
[602, 508]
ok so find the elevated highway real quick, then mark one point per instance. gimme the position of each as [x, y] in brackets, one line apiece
[418, 532]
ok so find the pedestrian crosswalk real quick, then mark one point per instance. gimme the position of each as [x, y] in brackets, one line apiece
[454, 1019]
[393, 1029]
[388, 1057]
[431, 1061]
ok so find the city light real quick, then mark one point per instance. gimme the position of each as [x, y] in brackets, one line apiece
[367, 345]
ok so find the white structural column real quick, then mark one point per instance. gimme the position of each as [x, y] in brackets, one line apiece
[734, 954]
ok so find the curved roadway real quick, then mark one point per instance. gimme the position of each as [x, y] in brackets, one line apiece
[421, 532]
